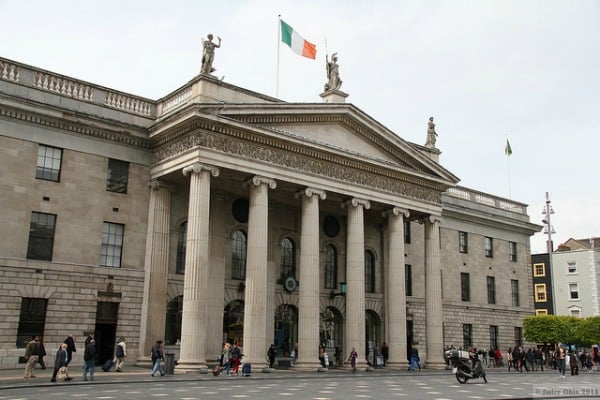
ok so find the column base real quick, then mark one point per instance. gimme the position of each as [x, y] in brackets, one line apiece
[397, 365]
[184, 367]
[434, 364]
[311, 366]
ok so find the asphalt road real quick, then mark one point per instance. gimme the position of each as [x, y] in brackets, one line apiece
[323, 386]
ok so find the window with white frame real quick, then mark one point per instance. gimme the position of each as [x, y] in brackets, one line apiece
[574, 291]
[112, 244]
[575, 312]
[48, 163]
[489, 247]
[571, 267]
[512, 251]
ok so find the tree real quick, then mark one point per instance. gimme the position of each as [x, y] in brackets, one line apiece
[551, 329]
[588, 332]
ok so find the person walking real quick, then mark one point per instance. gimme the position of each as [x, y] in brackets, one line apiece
[89, 359]
[562, 354]
[385, 352]
[353, 358]
[42, 354]
[31, 357]
[120, 353]
[70, 342]
[226, 358]
[271, 354]
[60, 361]
[157, 355]
[414, 359]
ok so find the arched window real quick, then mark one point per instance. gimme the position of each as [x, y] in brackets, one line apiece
[173, 323]
[238, 255]
[369, 272]
[181, 240]
[330, 267]
[288, 258]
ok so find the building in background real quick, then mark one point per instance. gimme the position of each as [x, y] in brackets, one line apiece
[217, 213]
[543, 297]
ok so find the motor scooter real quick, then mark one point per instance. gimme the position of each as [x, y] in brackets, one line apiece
[465, 365]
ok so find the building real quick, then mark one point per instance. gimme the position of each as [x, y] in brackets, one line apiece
[576, 272]
[219, 213]
[543, 297]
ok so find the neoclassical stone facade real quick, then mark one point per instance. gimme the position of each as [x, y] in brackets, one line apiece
[217, 213]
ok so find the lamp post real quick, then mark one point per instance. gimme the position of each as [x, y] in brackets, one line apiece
[549, 230]
[342, 292]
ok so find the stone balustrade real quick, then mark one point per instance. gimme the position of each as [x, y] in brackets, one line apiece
[9, 71]
[178, 98]
[487, 199]
[63, 86]
[128, 103]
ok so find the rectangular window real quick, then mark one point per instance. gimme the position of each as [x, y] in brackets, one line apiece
[493, 337]
[491, 289]
[408, 279]
[571, 267]
[467, 336]
[463, 242]
[541, 312]
[489, 247]
[41, 236]
[118, 176]
[573, 291]
[406, 231]
[540, 292]
[48, 163]
[539, 270]
[512, 251]
[514, 285]
[31, 320]
[112, 244]
[465, 287]
[575, 312]
[518, 336]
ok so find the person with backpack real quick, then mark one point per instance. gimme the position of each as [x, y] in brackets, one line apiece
[120, 353]
[157, 355]
[89, 359]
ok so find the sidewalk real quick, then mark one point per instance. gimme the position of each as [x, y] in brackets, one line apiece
[13, 378]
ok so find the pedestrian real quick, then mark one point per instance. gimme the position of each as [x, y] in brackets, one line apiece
[226, 358]
[61, 361]
[236, 356]
[414, 358]
[339, 360]
[70, 342]
[89, 359]
[353, 358]
[562, 354]
[41, 354]
[574, 363]
[31, 356]
[385, 352]
[322, 355]
[271, 354]
[120, 353]
[157, 355]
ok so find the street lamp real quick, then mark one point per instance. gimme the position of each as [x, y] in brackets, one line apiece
[342, 291]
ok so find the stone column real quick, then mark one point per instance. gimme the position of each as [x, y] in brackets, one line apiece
[433, 295]
[308, 319]
[355, 280]
[255, 304]
[395, 290]
[192, 355]
[156, 269]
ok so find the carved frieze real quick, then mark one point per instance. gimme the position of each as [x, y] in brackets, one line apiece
[338, 169]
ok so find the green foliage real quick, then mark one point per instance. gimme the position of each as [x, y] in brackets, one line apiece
[558, 328]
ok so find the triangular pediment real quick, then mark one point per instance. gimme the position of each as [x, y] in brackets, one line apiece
[345, 130]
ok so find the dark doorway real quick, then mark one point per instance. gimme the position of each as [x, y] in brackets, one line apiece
[106, 330]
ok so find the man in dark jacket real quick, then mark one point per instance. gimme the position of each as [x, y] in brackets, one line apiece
[70, 342]
[89, 359]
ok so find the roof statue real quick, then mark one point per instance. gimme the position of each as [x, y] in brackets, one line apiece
[208, 54]
[431, 134]
[333, 75]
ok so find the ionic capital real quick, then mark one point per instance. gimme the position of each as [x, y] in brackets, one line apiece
[309, 192]
[262, 180]
[197, 167]
[155, 184]
[396, 211]
[355, 202]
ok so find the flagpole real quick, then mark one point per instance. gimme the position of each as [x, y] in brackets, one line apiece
[278, 47]
[508, 166]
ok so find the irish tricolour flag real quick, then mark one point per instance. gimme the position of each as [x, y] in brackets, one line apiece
[300, 46]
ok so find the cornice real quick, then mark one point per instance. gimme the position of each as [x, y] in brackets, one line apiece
[310, 161]
[45, 121]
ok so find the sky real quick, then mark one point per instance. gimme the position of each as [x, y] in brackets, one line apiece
[487, 71]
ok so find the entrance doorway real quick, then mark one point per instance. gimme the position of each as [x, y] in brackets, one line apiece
[105, 333]
[286, 329]
[372, 335]
[233, 321]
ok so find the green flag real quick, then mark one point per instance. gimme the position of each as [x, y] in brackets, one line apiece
[507, 148]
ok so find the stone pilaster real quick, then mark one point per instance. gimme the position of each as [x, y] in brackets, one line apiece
[395, 291]
[433, 295]
[195, 286]
[255, 304]
[355, 280]
[308, 319]
[156, 269]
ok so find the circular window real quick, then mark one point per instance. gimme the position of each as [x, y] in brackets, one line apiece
[239, 209]
[331, 226]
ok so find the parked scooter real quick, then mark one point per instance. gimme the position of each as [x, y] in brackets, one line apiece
[465, 365]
